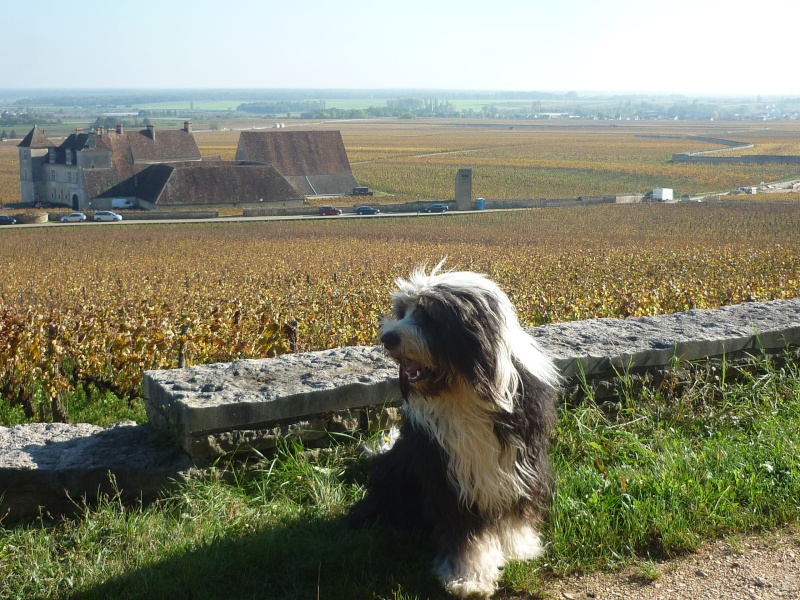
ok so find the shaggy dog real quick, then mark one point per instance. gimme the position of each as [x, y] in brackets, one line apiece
[470, 466]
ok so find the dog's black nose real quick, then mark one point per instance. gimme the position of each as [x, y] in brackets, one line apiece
[390, 340]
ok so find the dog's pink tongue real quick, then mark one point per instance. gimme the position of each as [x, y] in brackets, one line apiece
[412, 369]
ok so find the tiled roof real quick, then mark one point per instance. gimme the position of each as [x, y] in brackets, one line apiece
[169, 145]
[296, 152]
[36, 138]
[100, 182]
[131, 152]
[225, 182]
[323, 185]
[207, 182]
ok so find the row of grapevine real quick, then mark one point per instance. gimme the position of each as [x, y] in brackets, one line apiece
[99, 305]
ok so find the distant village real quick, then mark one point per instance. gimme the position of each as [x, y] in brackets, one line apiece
[149, 168]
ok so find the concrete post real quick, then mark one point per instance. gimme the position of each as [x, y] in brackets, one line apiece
[464, 189]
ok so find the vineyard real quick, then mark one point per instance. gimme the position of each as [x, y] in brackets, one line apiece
[417, 159]
[93, 307]
[412, 161]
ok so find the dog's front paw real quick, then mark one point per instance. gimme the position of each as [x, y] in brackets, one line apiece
[473, 590]
[462, 582]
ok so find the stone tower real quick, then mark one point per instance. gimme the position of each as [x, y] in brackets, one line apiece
[32, 148]
[464, 189]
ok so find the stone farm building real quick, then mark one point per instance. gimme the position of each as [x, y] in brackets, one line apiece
[164, 169]
[314, 162]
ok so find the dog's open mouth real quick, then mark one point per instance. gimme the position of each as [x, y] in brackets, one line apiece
[416, 372]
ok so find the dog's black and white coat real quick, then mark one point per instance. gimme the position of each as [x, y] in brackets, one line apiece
[470, 466]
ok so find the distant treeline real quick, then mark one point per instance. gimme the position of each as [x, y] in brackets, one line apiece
[275, 108]
[8, 119]
[402, 103]
[116, 98]
[392, 107]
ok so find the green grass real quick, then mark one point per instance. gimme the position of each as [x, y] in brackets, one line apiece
[656, 475]
[648, 477]
[85, 404]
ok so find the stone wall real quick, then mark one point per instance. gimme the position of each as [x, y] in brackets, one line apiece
[221, 408]
[758, 159]
[212, 410]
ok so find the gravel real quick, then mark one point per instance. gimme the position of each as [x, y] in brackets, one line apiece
[753, 567]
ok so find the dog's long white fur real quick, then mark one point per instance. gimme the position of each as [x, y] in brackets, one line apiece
[518, 344]
[488, 474]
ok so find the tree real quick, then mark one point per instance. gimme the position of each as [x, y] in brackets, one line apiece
[12, 135]
[4, 135]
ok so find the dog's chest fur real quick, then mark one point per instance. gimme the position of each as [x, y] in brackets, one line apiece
[482, 470]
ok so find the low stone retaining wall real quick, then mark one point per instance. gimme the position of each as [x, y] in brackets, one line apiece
[212, 410]
[54, 467]
[215, 409]
[148, 215]
[29, 217]
[756, 159]
[142, 215]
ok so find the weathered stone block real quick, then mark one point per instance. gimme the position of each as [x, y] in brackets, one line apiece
[205, 404]
[55, 467]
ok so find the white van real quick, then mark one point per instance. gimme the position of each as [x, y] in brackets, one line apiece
[121, 203]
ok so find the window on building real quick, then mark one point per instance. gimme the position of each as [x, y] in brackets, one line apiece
[52, 175]
[69, 176]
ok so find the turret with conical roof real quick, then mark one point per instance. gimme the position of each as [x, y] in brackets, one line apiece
[32, 148]
[36, 138]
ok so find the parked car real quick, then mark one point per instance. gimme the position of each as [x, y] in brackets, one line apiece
[75, 217]
[329, 210]
[107, 215]
[366, 210]
[7, 220]
[436, 208]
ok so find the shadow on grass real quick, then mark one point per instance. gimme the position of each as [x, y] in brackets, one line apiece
[322, 559]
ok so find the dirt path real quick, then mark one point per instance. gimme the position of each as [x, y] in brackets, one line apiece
[749, 567]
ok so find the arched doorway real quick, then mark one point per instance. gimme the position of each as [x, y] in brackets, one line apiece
[75, 202]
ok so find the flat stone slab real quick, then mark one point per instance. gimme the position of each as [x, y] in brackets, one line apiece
[257, 394]
[598, 346]
[206, 403]
[54, 467]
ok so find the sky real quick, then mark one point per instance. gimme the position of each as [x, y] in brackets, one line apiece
[691, 47]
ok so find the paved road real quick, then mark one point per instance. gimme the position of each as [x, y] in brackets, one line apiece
[240, 218]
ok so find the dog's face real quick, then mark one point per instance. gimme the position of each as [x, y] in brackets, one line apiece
[444, 331]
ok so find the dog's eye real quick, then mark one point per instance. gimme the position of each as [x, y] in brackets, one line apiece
[399, 311]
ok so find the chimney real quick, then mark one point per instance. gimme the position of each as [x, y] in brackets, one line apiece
[151, 131]
[100, 130]
[92, 141]
[79, 130]
[187, 126]
[119, 129]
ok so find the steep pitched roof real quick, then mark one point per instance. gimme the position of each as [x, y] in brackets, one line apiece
[165, 146]
[323, 185]
[81, 141]
[296, 152]
[131, 152]
[105, 182]
[36, 138]
[226, 181]
[208, 182]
